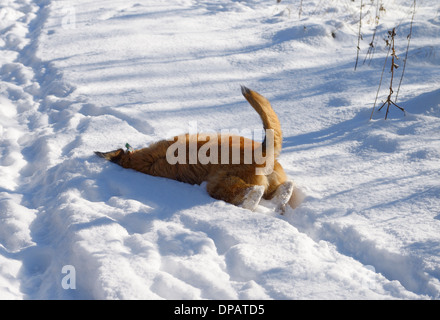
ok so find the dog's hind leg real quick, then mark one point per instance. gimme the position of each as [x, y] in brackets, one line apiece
[234, 190]
[282, 195]
[252, 197]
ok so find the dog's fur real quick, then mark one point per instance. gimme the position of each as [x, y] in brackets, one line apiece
[234, 183]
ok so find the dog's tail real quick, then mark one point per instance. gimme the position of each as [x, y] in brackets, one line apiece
[269, 118]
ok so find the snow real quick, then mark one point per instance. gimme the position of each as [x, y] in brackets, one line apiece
[79, 76]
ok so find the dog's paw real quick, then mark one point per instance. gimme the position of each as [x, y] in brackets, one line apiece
[252, 197]
[282, 196]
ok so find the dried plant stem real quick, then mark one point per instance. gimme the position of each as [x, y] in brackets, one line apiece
[407, 48]
[359, 35]
[394, 66]
[380, 82]
[371, 48]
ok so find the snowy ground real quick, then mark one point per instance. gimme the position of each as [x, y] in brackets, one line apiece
[79, 76]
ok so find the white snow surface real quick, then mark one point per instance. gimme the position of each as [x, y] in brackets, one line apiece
[79, 76]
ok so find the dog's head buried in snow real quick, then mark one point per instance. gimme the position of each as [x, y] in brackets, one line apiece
[236, 169]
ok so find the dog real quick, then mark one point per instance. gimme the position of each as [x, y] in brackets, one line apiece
[236, 169]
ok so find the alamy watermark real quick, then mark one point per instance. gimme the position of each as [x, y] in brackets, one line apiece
[69, 280]
[224, 147]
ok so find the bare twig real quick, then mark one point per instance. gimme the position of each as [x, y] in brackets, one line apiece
[359, 36]
[380, 82]
[371, 48]
[407, 48]
[394, 66]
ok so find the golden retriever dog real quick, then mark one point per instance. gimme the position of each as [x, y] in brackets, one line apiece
[236, 169]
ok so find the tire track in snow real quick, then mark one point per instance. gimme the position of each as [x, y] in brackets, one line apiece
[18, 109]
[28, 87]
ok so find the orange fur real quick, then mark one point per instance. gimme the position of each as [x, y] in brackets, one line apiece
[233, 183]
